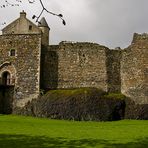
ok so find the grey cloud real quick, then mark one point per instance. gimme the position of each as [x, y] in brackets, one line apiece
[108, 22]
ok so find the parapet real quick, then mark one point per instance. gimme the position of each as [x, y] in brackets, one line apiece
[139, 37]
[79, 45]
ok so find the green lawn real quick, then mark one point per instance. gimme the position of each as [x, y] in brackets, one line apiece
[28, 132]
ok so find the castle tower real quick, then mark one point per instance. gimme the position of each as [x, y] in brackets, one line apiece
[45, 31]
[20, 53]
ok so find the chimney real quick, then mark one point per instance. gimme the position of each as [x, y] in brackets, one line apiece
[23, 14]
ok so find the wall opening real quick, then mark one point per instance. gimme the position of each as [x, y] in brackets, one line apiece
[12, 52]
[6, 78]
[6, 99]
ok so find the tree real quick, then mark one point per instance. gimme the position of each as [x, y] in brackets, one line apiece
[15, 3]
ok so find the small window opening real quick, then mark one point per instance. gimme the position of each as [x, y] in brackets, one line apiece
[30, 27]
[12, 52]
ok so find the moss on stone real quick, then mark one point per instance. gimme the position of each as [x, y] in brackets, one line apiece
[74, 91]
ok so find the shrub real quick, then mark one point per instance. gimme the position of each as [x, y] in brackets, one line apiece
[77, 104]
[136, 111]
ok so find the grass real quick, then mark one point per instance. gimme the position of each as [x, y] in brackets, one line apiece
[28, 132]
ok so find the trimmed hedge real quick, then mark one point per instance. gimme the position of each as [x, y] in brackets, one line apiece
[77, 104]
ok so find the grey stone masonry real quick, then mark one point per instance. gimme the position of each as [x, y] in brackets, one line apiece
[28, 63]
[24, 66]
[134, 69]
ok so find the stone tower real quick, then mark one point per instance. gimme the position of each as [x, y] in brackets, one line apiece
[20, 56]
[45, 31]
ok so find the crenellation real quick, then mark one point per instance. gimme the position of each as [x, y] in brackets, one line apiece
[139, 37]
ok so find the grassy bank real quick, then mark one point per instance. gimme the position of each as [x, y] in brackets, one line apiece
[28, 132]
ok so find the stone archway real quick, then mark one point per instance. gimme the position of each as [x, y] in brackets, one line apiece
[7, 84]
[7, 71]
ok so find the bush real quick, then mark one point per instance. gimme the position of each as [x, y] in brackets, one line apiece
[136, 111]
[77, 104]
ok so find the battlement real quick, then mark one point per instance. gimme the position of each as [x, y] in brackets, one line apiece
[139, 37]
[80, 45]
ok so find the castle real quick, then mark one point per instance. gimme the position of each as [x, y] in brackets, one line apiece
[28, 64]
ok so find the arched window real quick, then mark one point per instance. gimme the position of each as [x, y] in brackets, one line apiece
[6, 78]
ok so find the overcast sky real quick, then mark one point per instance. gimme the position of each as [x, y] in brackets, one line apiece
[106, 22]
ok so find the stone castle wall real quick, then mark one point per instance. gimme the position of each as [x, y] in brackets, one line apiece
[134, 69]
[72, 65]
[24, 67]
[82, 65]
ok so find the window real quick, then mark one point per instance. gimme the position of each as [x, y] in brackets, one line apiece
[30, 27]
[12, 52]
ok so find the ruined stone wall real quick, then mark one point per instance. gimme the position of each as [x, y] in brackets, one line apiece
[134, 70]
[26, 63]
[79, 65]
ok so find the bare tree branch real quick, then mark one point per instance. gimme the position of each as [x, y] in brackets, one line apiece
[44, 9]
[7, 3]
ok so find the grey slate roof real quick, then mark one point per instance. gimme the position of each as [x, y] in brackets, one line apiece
[43, 23]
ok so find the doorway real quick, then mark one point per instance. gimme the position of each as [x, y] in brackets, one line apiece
[6, 94]
[6, 78]
[6, 99]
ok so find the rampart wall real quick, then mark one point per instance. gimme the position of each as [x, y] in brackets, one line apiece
[72, 65]
[134, 69]
[82, 65]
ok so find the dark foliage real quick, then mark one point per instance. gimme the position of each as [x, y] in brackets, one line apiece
[136, 111]
[82, 104]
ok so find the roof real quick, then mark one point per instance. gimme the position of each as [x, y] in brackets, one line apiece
[43, 23]
[20, 26]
